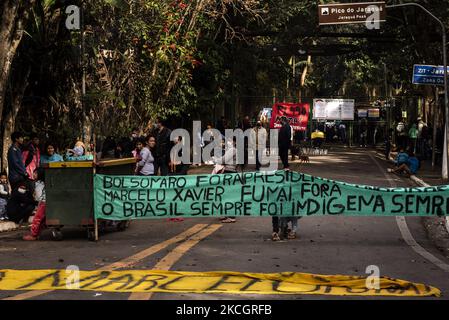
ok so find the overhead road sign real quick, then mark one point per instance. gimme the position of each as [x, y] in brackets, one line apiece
[350, 13]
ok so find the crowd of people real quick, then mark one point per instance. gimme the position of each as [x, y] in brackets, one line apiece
[412, 144]
[416, 137]
[22, 191]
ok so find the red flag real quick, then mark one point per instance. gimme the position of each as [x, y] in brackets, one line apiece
[296, 113]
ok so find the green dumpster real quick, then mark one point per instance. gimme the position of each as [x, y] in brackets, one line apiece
[69, 192]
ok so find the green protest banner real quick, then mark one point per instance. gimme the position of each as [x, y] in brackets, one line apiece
[279, 193]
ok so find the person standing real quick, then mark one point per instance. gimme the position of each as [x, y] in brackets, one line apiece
[145, 166]
[343, 135]
[413, 136]
[286, 232]
[197, 148]
[38, 223]
[285, 142]
[363, 134]
[5, 193]
[227, 164]
[209, 133]
[31, 156]
[177, 167]
[128, 144]
[258, 142]
[401, 135]
[222, 125]
[387, 147]
[162, 149]
[285, 136]
[17, 171]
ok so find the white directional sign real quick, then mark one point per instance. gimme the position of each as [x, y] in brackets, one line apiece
[333, 109]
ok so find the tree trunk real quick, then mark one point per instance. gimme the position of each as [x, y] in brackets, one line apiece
[14, 13]
[304, 75]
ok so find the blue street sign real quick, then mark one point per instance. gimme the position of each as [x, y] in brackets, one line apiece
[431, 75]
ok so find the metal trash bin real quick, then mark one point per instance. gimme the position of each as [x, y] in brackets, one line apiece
[69, 192]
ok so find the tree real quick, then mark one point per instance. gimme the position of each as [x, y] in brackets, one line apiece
[14, 15]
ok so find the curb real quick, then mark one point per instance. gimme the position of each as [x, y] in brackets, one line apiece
[421, 183]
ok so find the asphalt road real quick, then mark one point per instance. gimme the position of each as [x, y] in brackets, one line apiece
[326, 245]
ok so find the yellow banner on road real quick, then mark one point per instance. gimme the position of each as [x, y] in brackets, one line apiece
[210, 282]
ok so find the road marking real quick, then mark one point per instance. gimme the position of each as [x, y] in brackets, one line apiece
[405, 231]
[173, 256]
[126, 262]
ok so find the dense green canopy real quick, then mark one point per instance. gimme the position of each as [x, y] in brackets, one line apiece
[181, 59]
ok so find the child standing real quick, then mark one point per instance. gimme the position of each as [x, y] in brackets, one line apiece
[39, 195]
[5, 192]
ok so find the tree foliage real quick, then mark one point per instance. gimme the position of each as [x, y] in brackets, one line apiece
[143, 59]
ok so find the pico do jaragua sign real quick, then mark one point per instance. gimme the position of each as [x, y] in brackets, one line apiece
[346, 13]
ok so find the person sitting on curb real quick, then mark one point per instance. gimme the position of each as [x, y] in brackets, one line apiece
[410, 168]
[21, 204]
[401, 158]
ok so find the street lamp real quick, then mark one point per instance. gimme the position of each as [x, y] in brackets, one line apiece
[446, 98]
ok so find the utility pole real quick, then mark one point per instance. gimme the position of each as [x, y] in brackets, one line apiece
[434, 133]
[83, 81]
[446, 97]
[387, 104]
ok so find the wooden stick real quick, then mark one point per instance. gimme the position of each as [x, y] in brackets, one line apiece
[94, 172]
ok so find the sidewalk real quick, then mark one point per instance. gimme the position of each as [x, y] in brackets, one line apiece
[428, 176]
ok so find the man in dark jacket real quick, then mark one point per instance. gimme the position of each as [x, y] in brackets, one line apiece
[163, 148]
[127, 145]
[16, 168]
[285, 136]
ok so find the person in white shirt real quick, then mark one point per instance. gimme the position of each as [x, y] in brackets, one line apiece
[227, 164]
[229, 160]
[145, 165]
[5, 193]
